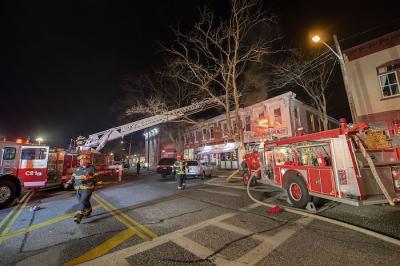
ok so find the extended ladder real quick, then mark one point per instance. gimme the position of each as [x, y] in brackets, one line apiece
[98, 140]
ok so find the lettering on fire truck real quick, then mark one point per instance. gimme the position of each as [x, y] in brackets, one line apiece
[31, 173]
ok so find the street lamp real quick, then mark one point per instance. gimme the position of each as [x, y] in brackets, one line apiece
[39, 140]
[339, 55]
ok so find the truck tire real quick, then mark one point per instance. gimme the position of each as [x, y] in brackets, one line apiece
[7, 193]
[297, 192]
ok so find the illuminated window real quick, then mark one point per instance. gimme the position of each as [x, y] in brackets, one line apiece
[9, 153]
[389, 84]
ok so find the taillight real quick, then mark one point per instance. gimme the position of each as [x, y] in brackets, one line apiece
[342, 177]
[396, 178]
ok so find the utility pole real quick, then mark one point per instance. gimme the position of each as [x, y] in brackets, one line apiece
[148, 151]
[345, 79]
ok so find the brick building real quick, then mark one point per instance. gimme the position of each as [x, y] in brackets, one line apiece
[280, 116]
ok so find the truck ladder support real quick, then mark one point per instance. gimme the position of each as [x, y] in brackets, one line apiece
[100, 139]
[373, 170]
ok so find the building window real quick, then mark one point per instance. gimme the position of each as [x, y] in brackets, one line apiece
[247, 123]
[278, 117]
[296, 117]
[204, 133]
[196, 136]
[389, 84]
[212, 132]
[224, 129]
[234, 127]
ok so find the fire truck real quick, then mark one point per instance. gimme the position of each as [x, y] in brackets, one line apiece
[353, 165]
[30, 166]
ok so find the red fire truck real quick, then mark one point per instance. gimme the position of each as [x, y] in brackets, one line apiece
[31, 166]
[340, 165]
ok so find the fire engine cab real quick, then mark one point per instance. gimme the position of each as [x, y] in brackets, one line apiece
[21, 165]
[353, 165]
[30, 166]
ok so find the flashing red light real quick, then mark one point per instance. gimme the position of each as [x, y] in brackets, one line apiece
[18, 141]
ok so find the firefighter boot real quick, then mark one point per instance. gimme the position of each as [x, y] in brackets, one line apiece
[78, 217]
[86, 212]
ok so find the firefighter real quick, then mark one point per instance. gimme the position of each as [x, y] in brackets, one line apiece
[180, 173]
[83, 180]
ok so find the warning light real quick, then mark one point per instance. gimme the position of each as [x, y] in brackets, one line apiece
[18, 141]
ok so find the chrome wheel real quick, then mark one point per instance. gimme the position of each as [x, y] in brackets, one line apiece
[5, 193]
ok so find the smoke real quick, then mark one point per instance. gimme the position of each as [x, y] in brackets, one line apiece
[254, 84]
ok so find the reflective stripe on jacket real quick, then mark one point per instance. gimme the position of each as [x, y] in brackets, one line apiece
[83, 178]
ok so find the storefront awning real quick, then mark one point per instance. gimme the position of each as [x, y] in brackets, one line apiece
[219, 148]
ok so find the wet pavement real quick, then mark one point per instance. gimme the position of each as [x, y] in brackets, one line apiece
[145, 220]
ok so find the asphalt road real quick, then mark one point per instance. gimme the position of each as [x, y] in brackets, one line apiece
[146, 221]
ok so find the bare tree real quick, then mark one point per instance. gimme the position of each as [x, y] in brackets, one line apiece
[311, 76]
[154, 93]
[214, 54]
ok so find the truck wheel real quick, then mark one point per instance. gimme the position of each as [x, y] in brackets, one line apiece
[297, 192]
[7, 193]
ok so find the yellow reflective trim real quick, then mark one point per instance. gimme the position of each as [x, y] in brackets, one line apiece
[84, 187]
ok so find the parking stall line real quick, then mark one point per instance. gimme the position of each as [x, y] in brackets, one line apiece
[104, 248]
[13, 210]
[146, 230]
[13, 218]
[40, 225]
[116, 240]
[114, 212]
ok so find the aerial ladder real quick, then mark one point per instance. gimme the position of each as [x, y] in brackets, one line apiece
[99, 140]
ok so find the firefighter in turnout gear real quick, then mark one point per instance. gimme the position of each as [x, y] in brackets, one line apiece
[180, 173]
[83, 180]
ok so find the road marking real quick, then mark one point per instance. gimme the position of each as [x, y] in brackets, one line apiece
[14, 209]
[365, 231]
[270, 243]
[219, 192]
[118, 239]
[233, 228]
[193, 247]
[130, 251]
[17, 214]
[146, 230]
[40, 225]
[104, 248]
[249, 207]
[116, 213]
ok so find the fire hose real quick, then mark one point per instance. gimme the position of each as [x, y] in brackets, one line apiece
[325, 219]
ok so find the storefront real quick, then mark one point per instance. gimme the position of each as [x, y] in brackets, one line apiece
[224, 156]
[188, 154]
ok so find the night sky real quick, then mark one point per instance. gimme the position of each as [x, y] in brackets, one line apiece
[62, 61]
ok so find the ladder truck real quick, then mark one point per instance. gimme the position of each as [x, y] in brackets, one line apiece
[26, 166]
[353, 165]
[98, 140]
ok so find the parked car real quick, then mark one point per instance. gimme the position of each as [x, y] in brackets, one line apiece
[198, 169]
[165, 166]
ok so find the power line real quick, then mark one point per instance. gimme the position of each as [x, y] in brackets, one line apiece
[369, 30]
